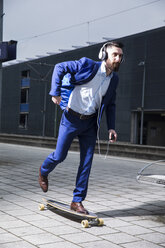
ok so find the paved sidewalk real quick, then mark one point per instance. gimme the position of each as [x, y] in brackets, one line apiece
[134, 214]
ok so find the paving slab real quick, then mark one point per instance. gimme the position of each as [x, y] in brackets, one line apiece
[133, 213]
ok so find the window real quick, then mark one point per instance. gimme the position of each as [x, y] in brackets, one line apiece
[24, 99]
[24, 95]
[25, 74]
[25, 79]
[23, 121]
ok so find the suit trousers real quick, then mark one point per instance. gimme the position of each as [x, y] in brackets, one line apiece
[72, 126]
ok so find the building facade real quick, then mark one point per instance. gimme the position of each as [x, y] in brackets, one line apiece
[26, 107]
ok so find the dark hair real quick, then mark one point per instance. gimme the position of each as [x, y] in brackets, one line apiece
[114, 43]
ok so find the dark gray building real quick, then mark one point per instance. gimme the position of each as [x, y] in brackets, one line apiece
[26, 107]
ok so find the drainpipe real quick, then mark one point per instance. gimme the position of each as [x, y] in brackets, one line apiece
[1, 39]
[142, 103]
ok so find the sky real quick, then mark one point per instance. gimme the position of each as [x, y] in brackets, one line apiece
[45, 26]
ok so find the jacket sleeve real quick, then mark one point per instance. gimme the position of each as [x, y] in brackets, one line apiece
[111, 108]
[60, 70]
[111, 113]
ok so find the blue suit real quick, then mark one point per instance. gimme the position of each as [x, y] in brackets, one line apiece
[65, 77]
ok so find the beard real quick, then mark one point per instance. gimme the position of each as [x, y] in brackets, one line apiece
[115, 66]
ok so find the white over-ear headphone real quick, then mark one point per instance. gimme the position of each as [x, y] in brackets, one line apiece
[103, 53]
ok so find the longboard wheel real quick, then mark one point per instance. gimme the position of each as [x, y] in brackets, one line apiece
[85, 223]
[100, 222]
[41, 207]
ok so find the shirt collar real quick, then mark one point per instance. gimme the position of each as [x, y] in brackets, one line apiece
[102, 70]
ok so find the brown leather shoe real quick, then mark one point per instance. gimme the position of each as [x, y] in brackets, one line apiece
[78, 207]
[43, 181]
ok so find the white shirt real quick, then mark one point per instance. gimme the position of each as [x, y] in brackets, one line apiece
[86, 99]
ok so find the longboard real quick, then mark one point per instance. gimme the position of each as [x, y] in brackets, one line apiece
[87, 220]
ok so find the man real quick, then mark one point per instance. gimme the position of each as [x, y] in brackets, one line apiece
[83, 89]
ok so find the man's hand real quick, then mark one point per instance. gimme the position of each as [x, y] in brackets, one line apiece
[56, 99]
[112, 136]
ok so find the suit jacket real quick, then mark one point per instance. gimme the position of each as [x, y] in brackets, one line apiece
[67, 75]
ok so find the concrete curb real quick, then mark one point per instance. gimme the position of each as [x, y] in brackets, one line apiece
[117, 149]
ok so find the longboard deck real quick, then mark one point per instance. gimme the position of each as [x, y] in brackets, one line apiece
[66, 208]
